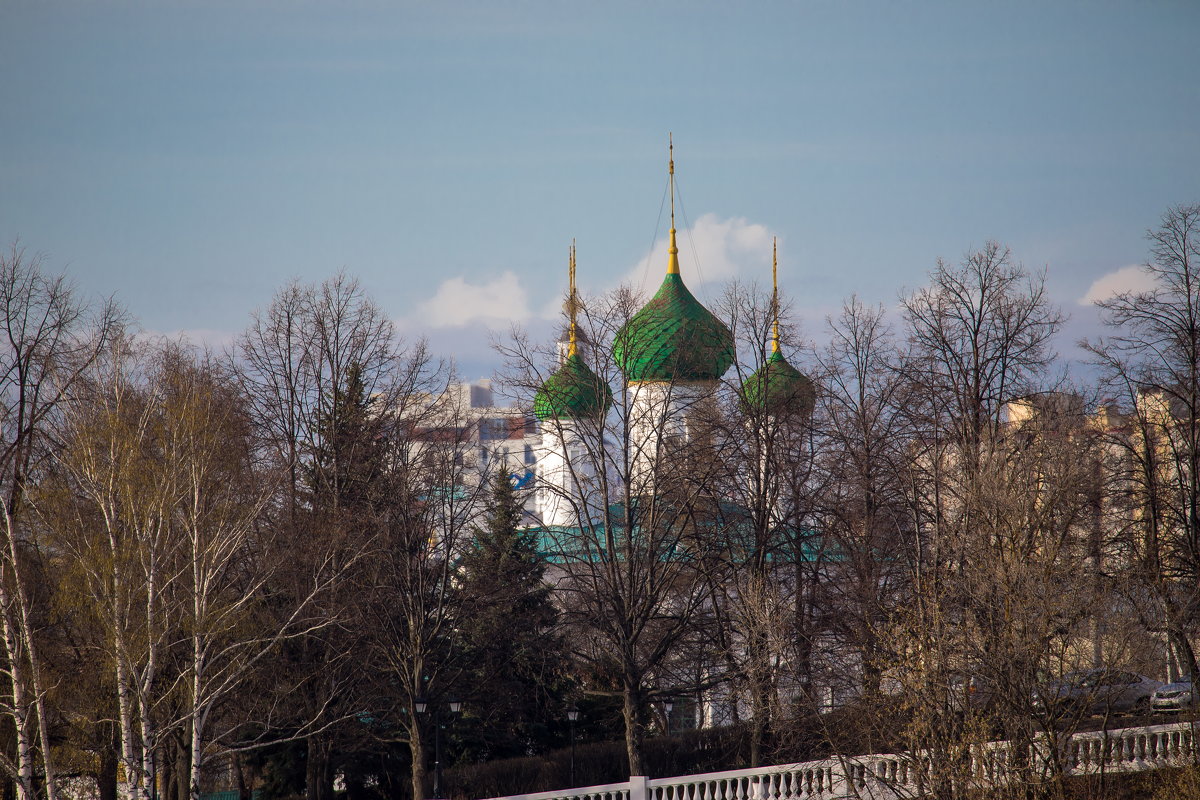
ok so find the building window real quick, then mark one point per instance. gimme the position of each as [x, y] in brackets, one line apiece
[529, 459]
[492, 429]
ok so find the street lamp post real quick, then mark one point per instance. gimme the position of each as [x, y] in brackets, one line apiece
[455, 707]
[572, 715]
[667, 706]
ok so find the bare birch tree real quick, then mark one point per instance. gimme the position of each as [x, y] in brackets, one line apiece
[113, 519]
[50, 336]
[159, 507]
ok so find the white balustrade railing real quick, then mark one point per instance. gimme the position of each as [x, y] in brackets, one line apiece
[890, 776]
[1131, 749]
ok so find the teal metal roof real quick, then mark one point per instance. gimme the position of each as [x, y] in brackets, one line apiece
[566, 544]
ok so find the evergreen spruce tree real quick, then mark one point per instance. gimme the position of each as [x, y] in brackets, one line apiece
[349, 458]
[347, 491]
[517, 673]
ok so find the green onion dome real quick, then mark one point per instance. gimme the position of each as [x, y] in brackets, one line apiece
[778, 387]
[573, 391]
[673, 338]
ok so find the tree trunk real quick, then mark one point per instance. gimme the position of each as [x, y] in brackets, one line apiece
[1185, 654]
[37, 701]
[803, 641]
[165, 772]
[130, 758]
[183, 767]
[106, 777]
[633, 729]
[20, 702]
[318, 781]
[416, 747]
[239, 770]
[760, 692]
[195, 757]
[144, 782]
[199, 674]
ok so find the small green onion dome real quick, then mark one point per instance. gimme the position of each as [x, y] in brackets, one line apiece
[674, 338]
[778, 387]
[573, 392]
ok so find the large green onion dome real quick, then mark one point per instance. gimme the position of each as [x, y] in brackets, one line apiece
[572, 392]
[778, 387]
[674, 338]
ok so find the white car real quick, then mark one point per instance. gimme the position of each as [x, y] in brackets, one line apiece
[1174, 697]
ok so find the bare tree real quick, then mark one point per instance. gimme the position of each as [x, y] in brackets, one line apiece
[158, 506]
[995, 522]
[116, 527]
[1018, 604]
[296, 364]
[1151, 361]
[631, 567]
[981, 335]
[764, 476]
[50, 336]
[417, 604]
[290, 363]
[864, 450]
[231, 557]
[294, 356]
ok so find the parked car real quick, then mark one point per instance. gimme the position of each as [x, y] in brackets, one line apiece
[1174, 697]
[1098, 691]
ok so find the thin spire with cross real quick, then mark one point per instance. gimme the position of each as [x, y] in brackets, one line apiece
[572, 303]
[673, 249]
[774, 294]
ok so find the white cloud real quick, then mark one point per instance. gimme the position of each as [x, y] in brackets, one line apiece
[713, 249]
[457, 302]
[1133, 278]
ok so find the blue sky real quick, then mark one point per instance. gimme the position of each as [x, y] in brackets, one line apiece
[192, 157]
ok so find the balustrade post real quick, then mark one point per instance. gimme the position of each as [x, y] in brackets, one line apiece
[637, 788]
[840, 784]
